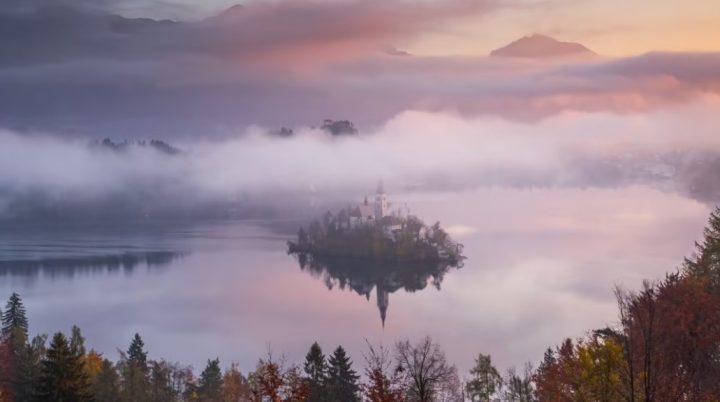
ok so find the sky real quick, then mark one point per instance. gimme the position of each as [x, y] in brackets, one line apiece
[103, 69]
[411, 74]
[640, 26]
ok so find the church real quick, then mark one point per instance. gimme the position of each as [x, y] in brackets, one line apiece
[365, 214]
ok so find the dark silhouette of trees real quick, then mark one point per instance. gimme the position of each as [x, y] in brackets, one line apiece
[342, 380]
[14, 320]
[18, 362]
[105, 384]
[63, 378]
[210, 382]
[134, 369]
[316, 369]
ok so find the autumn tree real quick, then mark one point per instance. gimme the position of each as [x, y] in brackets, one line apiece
[342, 380]
[235, 387]
[63, 377]
[6, 389]
[268, 380]
[485, 381]
[424, 366]
[384, 383]
[296, 387]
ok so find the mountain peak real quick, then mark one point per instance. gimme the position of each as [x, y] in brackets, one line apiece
[539, 46]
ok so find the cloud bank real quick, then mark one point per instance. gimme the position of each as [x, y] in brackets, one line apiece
[73, 68]
[415, 150]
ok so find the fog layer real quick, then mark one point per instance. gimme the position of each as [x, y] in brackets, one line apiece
[675, 149]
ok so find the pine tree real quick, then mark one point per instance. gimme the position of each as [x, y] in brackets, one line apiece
[14, 319]
[316, 369]
[63, 378]
[485, 382]
[211, 382]
[136, 352]
[706, 261]
[77, 342]
[341, 378]
[14, 335]
[135, 371]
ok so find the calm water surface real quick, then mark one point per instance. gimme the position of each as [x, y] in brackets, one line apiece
[541, 266]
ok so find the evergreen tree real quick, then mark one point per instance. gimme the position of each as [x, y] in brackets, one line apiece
[14, 335]
[706, 261]
[135, 371]
[14, 319]
[341, 378]
[485, 381]
[63, 378]
[211, 381]
[161, 389]
[136, 352]
[77, 342]
[105, 387]
[316, 369]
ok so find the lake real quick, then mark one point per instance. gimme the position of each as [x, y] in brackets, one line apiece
[541, 265]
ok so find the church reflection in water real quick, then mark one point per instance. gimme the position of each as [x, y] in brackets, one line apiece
[385, 277]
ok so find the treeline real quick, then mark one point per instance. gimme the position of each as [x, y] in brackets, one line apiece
[121, 146]
[64, 371]
[665, 347]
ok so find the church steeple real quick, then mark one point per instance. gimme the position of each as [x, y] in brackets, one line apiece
[383, 300]
[381, 203]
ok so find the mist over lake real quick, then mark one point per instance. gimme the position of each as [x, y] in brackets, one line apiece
[540, 265]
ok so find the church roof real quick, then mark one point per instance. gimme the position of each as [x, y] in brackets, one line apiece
[366, 211]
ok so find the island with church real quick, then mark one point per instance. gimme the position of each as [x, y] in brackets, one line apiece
[375, 232]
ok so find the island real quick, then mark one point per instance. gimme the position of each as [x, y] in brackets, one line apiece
[374, 232]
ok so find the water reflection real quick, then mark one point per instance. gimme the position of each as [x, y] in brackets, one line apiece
[67, 267]
[385, 277]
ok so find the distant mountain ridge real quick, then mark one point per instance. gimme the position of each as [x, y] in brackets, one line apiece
[542, 47]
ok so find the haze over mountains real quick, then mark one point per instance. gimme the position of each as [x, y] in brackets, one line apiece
[73, 68]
